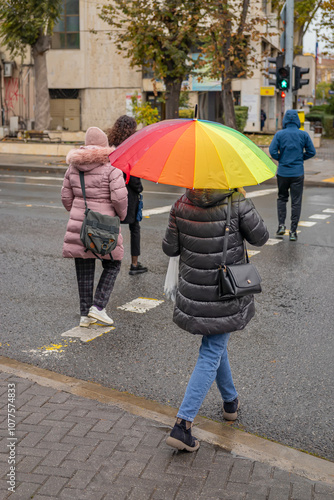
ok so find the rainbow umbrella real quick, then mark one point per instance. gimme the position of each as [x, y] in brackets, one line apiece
[193, 153]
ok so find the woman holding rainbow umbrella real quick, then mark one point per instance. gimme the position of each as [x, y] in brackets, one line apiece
[211, 161]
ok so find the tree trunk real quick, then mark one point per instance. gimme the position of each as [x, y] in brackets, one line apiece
[172, 96]
[42, 100]
[228, 105]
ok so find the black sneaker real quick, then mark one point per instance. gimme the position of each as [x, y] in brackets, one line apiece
[281, 230]
[293, 236]
[181, 438]
[138, 269]
[230, 409]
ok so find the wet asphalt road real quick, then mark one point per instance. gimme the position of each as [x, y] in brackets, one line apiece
[282, 363]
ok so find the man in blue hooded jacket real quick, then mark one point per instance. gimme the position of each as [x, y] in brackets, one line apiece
[290, 147]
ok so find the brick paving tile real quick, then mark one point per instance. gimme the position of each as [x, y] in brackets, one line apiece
[31, 477]
[81, 479]
[25, 491]
[73, 494]
[81, 453]
[54, 458]
[53, 486]
[34, 452]
[28, 464]
[55, 471]
[42, 497]
[324, 489]
[104, 449]
[279, 492]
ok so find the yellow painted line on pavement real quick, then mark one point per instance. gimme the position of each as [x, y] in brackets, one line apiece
[331, 179]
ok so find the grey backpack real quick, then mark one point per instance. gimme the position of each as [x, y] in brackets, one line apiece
[99, 233]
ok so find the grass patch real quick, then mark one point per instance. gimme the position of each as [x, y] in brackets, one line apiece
[260, 139]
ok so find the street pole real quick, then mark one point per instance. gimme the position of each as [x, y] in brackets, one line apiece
[289, 39]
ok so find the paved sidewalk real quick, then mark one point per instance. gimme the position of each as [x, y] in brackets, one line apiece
[72, 447]
[319, 171]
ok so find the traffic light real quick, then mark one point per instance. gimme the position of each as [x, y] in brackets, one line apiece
[278, 62]
[283, 78]
[283, 94]
[299, 81]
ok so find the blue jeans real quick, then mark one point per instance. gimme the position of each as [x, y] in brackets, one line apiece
[212, 364]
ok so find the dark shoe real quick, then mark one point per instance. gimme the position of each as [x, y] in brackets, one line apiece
[138, 269]
[181, 438]
[281, 230]
[293, 236]
[230, 410]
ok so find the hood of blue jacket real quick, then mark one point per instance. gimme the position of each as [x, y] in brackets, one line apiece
[291, 118]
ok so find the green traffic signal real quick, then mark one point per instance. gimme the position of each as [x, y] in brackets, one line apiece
[282, 78]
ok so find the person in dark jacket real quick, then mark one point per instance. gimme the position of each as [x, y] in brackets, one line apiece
[123, 128]
[195, 232]
[291, 147]
[263, 118]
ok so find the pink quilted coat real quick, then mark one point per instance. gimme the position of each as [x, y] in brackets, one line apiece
[105, 193]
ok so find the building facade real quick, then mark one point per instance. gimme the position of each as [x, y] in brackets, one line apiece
[91, 84]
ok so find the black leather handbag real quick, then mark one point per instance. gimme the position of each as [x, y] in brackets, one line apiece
[236, 280]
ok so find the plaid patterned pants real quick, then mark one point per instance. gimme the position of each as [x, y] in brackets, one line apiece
[85, 269]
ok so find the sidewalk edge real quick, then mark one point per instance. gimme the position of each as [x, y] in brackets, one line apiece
[237, 442]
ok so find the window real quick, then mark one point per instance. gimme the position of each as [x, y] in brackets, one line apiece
[66, 33]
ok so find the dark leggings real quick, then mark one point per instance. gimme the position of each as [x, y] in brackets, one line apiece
[295, 186]
[135, 238]
[85, 269]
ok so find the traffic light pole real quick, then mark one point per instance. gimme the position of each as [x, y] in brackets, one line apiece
[289, 39]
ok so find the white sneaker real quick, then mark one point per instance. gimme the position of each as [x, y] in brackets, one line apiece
[85, 321]
[100, 315]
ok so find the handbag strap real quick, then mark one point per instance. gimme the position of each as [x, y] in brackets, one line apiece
[82, 182]
[227, 232]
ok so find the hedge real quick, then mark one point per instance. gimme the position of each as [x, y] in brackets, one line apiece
[241, 115]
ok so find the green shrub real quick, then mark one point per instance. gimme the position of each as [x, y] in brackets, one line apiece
[314, 117]
[328, 122]
[321, 108]
[186, 113]
[241, 115]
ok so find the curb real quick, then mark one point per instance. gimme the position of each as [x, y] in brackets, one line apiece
[237, 442]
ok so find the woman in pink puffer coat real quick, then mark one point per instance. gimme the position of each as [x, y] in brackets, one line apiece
[106, 193]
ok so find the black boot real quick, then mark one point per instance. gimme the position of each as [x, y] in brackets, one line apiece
[181, 438]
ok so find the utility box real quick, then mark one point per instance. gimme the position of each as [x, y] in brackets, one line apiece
[8, 69]
[301, 115]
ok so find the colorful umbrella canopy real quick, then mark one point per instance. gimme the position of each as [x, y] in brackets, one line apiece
[193, 154]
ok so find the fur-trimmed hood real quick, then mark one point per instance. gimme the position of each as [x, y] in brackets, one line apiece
[88, 157]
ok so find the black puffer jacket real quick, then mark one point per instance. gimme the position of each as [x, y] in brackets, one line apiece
[195, 232]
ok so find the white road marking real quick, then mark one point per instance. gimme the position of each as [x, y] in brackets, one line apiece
[306, 223]
[88, 334]
[272, 241]
[329, 210]
[156, 211]
[262, 192]
[251, 253]
[140, 305]
[319, 216]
